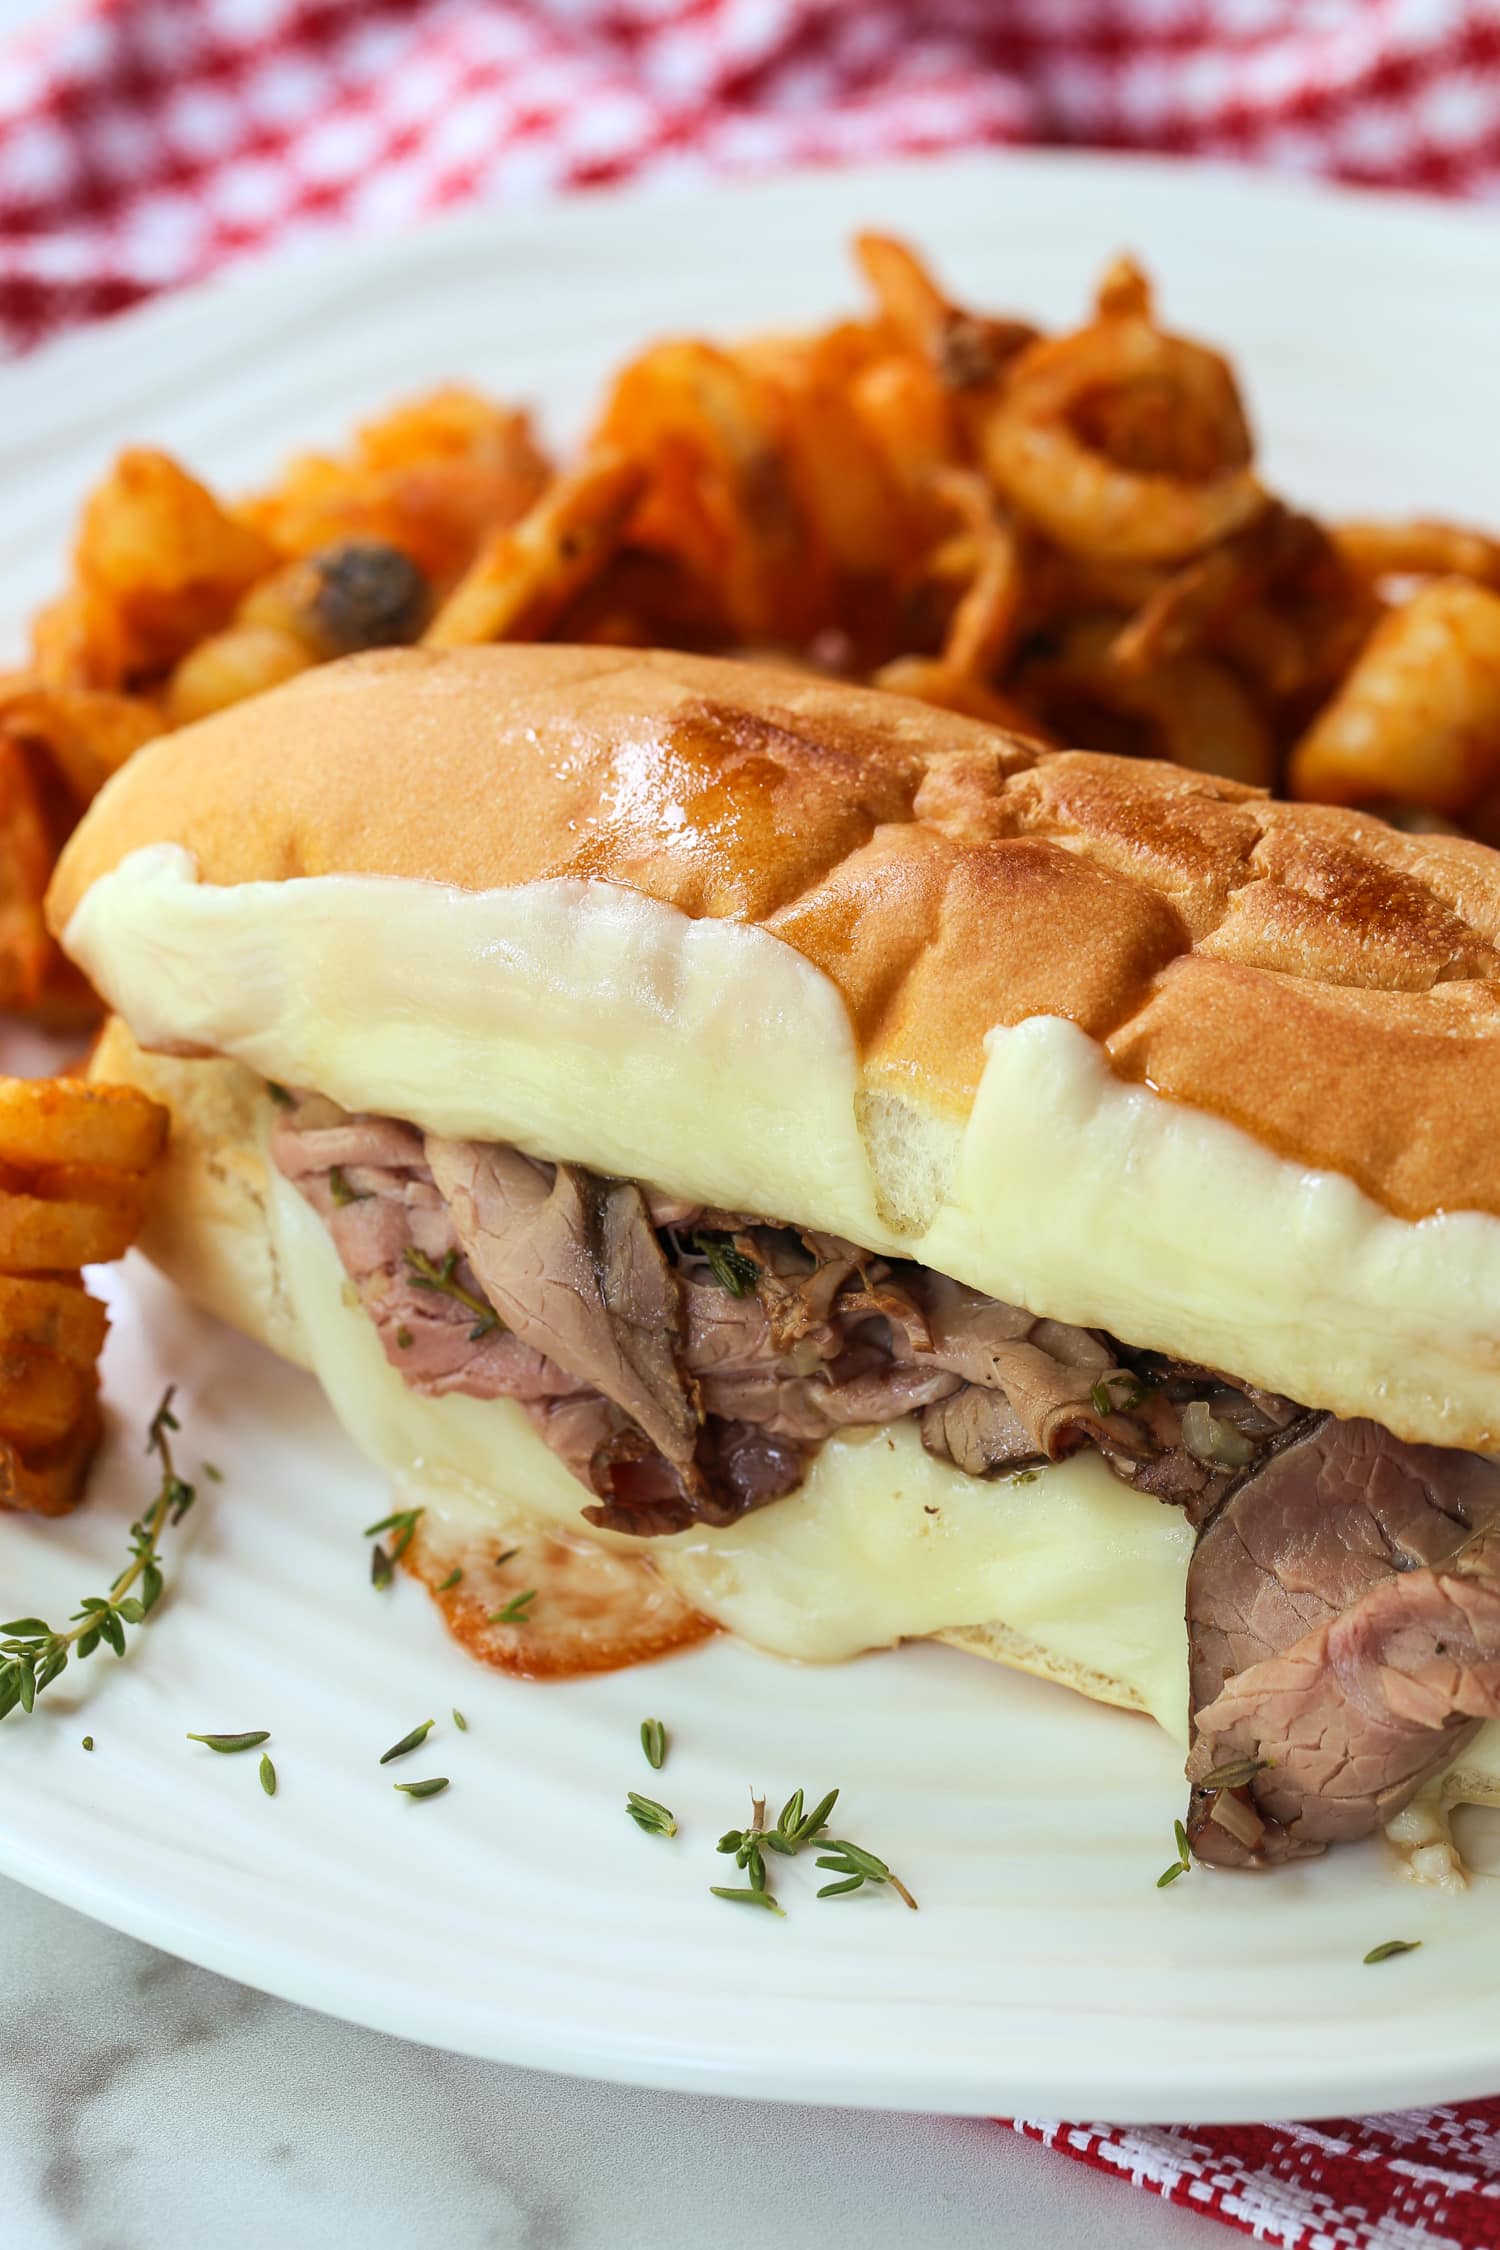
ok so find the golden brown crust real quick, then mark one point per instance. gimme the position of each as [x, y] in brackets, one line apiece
[1327, 983]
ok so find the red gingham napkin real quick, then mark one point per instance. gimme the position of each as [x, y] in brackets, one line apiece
[145, 143]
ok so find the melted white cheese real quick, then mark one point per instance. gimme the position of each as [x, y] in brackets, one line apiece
[881, 1543]
[586, 1021]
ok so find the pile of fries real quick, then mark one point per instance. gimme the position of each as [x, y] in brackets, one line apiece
[73, 1165]
[1064, 534]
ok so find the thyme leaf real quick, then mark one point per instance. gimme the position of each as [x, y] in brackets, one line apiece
[654, 1743]
[433, 1787]
[647, 1814]
[1234, 1774]
[267, 1775]
[731, 1269]
[412, 1741]
[515, 1610]
[228, 1744]
[747, 1898]
[1390, 1949]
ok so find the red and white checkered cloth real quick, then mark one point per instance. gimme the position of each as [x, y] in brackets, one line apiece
[145, 143]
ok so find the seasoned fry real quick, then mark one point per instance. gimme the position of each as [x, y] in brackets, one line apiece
[160, 563]
[1189, 708]
[1420, 549]
[525, 578]
[433, 478]
[1162, 472]
[966, 351]
[51, 1316]
[48, 1480]
[61, 1121]
[83, 734]
[26, 851]
[73, 1164]
[1417, 721]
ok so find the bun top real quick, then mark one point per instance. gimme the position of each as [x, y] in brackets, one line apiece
[1316, 977]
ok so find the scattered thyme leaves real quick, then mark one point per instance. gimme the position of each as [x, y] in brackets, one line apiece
[228, 1745]
[426, 1275]
[341, 1191]
[211, 1470]
[647, 1814]
[404, 1339]
[654, 1743]
[33, 1653]
[506, 1554]
[412, 1741]
[403, 1522]
[88, 1742]
[433, 1787]
[731, 1269]
[1390, 1949]
[516, 1609]
[460, 1721]
[267, 1775]
[1182, 1864]
[450, 1581]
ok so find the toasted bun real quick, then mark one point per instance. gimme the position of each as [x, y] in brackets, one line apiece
[1127, 1045]
[208, 1230]
[1322, 981]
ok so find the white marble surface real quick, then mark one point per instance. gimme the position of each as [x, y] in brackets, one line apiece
[147, 2105]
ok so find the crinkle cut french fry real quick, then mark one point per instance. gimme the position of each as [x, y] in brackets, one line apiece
[58, 1317]
[42, 1235]
[49, 1480]
[54, 1121]
[41, 1397]
[73, 1164]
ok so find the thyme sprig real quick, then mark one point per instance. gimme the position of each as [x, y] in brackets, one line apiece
[426, 1275]
[34, 1653]
[795, 1829]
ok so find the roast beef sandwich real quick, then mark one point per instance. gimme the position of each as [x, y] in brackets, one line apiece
[746, 1152]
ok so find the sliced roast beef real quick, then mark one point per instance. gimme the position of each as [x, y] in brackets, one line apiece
[369, 1181]
[650, 1325]
[573, 1267]
[1344, 1636]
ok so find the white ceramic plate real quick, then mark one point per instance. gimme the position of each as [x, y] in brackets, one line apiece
[521, 1915]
